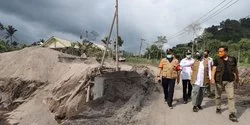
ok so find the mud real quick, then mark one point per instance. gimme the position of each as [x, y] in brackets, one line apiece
[14, 92]
[3, 117]
[123, 98]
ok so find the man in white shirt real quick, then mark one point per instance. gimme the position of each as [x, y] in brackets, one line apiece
[186, 71]
[200, 78]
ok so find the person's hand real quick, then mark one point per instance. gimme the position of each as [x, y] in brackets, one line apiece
[212, 81]
[158, 79]
[178, 81]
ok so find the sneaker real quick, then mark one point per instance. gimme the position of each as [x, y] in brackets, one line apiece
[170, 106]
[218, 111]
[200, 108]
[185, 102]
[233, 117]
[165, 101]
[195, 109]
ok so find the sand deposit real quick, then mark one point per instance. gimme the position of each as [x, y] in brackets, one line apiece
[38, 88]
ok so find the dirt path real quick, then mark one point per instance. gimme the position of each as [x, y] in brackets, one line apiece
[156, 112]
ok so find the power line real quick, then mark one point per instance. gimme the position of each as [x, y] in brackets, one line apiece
[211, 10]
[220, 10]
[181, 31]
[177, 35]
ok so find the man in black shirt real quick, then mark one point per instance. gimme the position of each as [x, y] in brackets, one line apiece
[224, 75]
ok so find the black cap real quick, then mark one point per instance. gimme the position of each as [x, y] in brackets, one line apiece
[169, 51]
[188, 52]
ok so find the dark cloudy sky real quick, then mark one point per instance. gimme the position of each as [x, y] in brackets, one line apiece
[37, 19]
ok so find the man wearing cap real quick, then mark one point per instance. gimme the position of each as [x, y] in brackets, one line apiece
[168, 73]
[201, 76]
[186, 71]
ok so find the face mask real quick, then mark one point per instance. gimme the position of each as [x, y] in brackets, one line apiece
[188, 56]
[198, 57]
[169, 56]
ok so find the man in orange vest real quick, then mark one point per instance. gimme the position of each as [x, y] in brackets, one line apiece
[168, 73]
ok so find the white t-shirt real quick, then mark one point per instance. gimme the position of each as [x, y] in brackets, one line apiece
[186, 68]
[200, 76]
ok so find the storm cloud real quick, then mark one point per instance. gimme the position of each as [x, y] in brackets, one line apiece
[68, 19]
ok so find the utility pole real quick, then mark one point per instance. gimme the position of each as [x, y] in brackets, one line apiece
[108, 40]
[117, 36]
[141, 47]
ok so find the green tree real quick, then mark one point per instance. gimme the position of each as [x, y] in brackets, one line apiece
[232, 30]
[14, 44]
[205, 37]
[1, 26]
[1, 30]
[41, 41]
[120, 42]
[72, 48]
[153, 52]
[3, 47]
[244, 47]
[105, 39]
[10, 32]
[161, 40]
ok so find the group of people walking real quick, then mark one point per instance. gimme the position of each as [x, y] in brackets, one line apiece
[199, 74]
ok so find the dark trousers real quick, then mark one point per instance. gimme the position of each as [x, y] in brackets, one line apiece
[187, 89]
[168, 88]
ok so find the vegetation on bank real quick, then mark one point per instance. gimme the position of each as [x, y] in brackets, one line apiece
[233, 33]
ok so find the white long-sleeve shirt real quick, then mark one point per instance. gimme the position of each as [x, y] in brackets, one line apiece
[186, 68]
[200, 76]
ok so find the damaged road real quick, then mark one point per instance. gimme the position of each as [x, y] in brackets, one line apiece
[73, 93]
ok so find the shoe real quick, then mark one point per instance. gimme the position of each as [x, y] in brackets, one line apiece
[171, 107]
[200, 108]
[195, 109]
[218, 111]
[165, 101]
[185, 102]
[233, 117]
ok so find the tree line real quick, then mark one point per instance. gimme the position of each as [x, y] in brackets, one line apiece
[233, 33]
[7, 38]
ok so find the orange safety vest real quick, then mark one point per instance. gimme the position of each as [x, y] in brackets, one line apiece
[169, 70]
